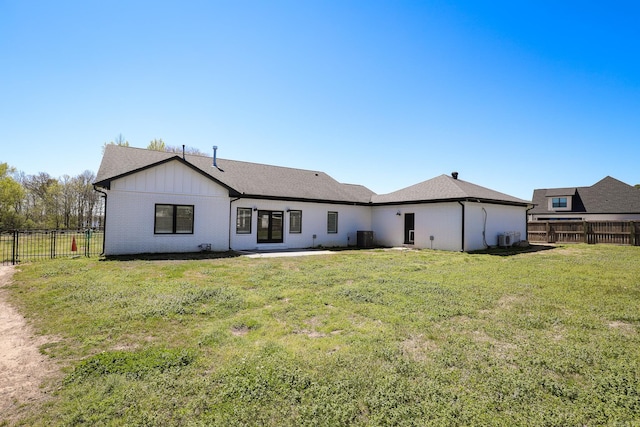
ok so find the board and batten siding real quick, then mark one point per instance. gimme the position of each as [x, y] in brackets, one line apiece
[131, 211]
[314, 222]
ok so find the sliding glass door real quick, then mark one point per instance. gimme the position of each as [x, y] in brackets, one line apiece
[270, 226]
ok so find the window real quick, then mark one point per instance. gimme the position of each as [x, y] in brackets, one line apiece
[174, 219]
[332, 222]
[243, 221]
[270, 226]
[559, 202]
[295, 221]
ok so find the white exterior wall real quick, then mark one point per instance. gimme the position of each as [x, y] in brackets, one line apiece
[443, 221]
[499, 219]
[131, 204]
[314, 222]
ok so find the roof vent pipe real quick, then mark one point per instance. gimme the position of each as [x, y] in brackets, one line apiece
[215, 149]
[182, 151]
[454, 175]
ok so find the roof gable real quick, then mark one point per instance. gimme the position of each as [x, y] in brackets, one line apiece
[610, 195]
[115, 165]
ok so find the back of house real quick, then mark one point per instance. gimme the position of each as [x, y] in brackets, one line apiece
[160, 202]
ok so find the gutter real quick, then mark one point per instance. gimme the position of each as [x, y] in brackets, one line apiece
[462, 204]
[468, 199]
[526, 220]
[303, 199]
[104, 225]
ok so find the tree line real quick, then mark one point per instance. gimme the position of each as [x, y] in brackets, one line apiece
[41, 201]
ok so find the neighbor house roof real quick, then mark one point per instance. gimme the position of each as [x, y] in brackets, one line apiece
[445, 187]
[607, 196]
[555, 192]
[275, 182]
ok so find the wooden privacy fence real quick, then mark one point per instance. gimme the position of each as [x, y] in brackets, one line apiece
[18, 246]
[592, 232]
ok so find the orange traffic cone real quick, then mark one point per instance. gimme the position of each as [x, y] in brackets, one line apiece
[74, 247]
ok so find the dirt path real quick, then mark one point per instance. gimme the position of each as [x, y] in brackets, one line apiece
[23, 368]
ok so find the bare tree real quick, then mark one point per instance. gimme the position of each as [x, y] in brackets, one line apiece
[68, 202]
[87, 198]
[44, 196]
[187, 150]
[119, 140]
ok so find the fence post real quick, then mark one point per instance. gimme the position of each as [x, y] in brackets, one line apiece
[548, 231]
[87, 239]
[14, 248]
[52, 243]
[632, 233]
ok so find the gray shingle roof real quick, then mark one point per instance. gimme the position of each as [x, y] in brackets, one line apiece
[266, 181]
[607, 196]
[445, 187]
[555, 192]
[249, 179]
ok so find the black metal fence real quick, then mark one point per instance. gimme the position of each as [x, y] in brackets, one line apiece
[18, 246]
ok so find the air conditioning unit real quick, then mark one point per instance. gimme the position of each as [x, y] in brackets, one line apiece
[505, 240]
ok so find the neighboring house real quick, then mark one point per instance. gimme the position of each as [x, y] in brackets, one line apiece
[607, 199]
[161, 202]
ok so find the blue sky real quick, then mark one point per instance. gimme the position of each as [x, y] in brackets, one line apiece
[513, 95]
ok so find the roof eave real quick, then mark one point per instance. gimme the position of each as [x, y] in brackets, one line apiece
[453, 200]
[303, 199]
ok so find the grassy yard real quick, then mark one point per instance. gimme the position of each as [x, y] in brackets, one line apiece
[357, 338]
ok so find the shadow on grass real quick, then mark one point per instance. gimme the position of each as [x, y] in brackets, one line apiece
[186, 256]
[513, 250]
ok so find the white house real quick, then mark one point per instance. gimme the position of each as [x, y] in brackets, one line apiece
[159, 202]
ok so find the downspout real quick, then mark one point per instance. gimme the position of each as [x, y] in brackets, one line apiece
[526, 221]
[462, 204]
[104, 225]
[230, 226]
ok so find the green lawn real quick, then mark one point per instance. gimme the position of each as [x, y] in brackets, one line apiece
[355, 338]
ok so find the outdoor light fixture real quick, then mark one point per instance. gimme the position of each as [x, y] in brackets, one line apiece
[255, 208]
[398, 213]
